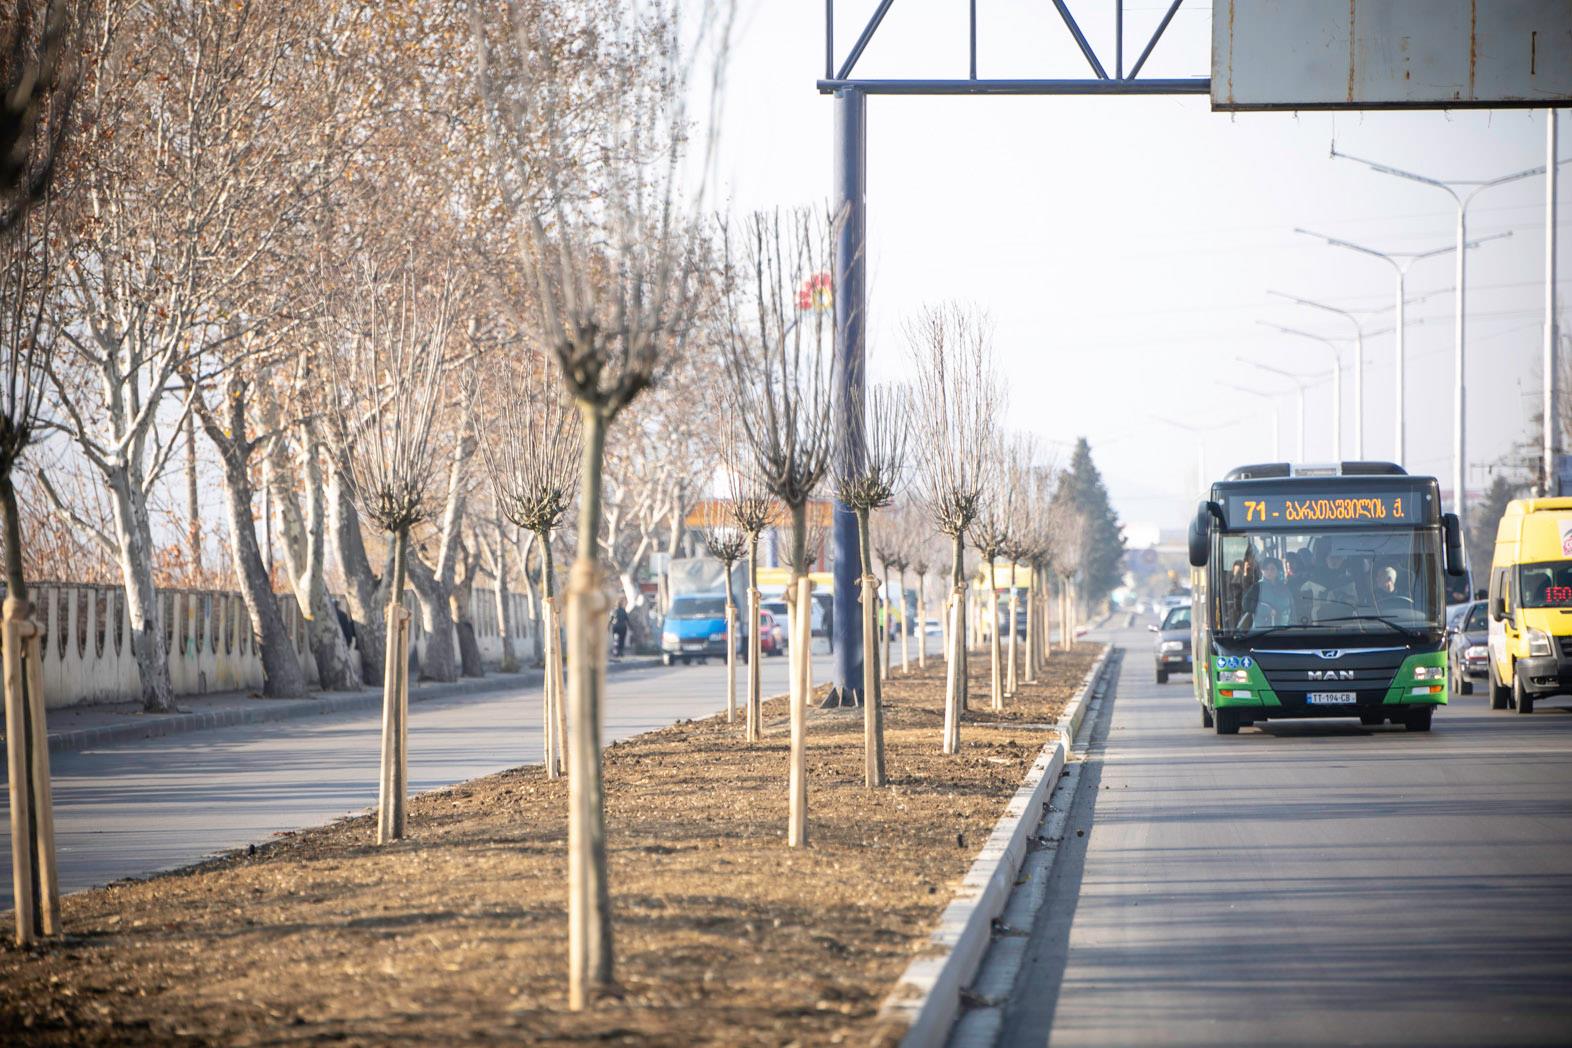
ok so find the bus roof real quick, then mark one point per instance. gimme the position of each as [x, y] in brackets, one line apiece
[1285, 470]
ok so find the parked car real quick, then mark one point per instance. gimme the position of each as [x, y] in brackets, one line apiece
[1467, 648]
[1172, 648]
[771, 635]
[694, 630]
[776, 606]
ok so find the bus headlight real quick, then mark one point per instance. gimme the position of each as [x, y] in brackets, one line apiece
[1539, 642]
[1233, 676]
[1429, 672]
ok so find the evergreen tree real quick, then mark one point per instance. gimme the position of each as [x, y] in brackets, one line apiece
[1483, 518]
[1081, 492]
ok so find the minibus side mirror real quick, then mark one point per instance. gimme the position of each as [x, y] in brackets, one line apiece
[1453, 530]
[1498, 608]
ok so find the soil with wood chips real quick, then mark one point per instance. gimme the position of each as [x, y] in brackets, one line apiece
[724, 936]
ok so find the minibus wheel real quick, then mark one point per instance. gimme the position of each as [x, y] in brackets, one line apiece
[1520, 696]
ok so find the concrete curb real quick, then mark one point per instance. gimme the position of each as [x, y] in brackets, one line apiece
[927, 997]
[267, 710]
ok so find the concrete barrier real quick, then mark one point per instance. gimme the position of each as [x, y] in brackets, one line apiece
[86, 642]
[927, 997]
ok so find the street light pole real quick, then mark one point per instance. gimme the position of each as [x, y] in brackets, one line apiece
[1459, 397]
[1199, 432]
[1359, 364]
[1401, 262]
[1337, 382]
[1301, 382]
[1277, 416]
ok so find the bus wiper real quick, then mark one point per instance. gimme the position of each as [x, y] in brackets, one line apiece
[1411, 634]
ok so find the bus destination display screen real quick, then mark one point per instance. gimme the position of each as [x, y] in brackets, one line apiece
[1365, 509]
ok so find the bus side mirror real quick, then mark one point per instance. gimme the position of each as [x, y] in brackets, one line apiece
[1201, 533]
[1454, 545]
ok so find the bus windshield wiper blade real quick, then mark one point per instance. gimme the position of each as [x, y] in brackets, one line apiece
[1411, 634]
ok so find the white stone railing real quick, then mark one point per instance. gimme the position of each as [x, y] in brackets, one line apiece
[87, 648]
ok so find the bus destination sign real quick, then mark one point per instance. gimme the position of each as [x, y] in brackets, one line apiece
[1365, 509]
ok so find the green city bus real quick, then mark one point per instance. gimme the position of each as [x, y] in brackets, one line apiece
[1318, 592]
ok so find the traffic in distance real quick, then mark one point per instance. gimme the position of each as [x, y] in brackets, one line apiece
[1341, 591]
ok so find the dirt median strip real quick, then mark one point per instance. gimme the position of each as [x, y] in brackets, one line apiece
[457, 935]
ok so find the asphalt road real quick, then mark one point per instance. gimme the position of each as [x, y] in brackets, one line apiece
[1315, 882]
[157, 804]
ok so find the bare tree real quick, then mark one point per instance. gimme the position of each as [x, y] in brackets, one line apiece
[531, 455]
[957, 400]
[752, 510]
[883, 433]
[1020, 461]
[387, 379]
[35, 103]
[228, 425]
[990, 533]
[188, 190]
[1033, 539]
[728, 544]
[779, 356]
[614, 255]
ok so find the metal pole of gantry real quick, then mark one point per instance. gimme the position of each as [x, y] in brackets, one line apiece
[1459, 355]
[850, 291]
[1551, 484]
[1337, 381]
[1401, 262]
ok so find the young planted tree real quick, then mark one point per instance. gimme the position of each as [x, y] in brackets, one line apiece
[990, 534]
[532, 454]
[606, 213]
[884, 430]
[921, 546]
[387, 376]
[1033, 545]
[752, 510]
[26, 277]
[728, 544]
[1019, 462]
[956, 402]
[779, 357]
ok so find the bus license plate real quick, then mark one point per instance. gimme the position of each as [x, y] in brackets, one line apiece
[1332, 698]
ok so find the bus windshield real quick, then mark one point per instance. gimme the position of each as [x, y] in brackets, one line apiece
[1347, 580]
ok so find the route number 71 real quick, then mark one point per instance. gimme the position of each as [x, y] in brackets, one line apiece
[1255, 509]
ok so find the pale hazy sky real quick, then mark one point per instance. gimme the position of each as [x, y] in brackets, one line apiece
[1125, 246]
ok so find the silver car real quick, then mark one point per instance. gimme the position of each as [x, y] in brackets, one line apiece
[1172, 649]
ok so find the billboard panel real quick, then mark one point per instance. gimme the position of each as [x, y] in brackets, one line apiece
[1391, 54]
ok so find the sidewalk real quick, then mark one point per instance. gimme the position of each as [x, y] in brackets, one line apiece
[87, 727]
